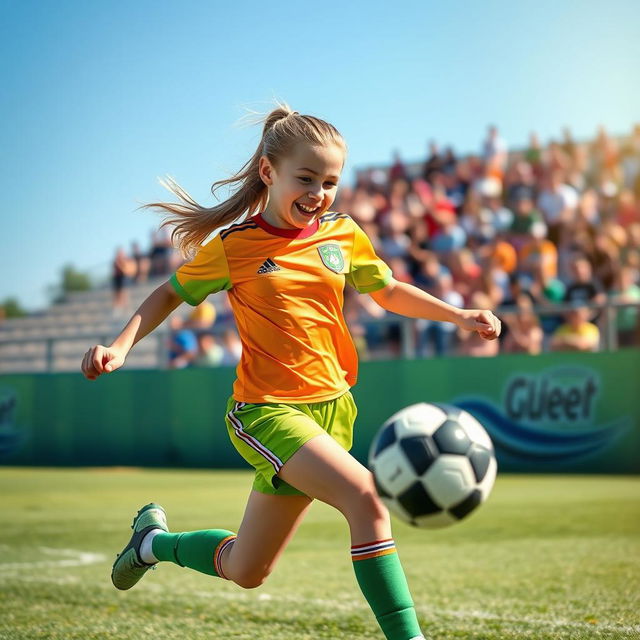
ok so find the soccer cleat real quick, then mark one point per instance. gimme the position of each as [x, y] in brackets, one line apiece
[129, 567]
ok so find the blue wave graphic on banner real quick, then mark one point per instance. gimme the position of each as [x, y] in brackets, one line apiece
[526, 442]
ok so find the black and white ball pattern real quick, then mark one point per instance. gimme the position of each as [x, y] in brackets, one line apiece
[433, 464]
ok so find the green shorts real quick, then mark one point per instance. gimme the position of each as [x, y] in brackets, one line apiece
[267, 435]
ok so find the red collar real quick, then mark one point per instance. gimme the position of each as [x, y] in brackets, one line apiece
[285, 233]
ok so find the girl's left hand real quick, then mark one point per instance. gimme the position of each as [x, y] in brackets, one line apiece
[484, 322]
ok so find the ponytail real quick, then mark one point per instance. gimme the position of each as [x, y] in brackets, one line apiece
[193, 223]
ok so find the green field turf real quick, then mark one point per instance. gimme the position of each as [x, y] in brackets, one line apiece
[548, 557]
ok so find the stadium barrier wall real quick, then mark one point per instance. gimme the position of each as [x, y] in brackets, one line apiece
[577, 413]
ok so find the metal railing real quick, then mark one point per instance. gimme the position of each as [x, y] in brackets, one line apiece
[604, 315]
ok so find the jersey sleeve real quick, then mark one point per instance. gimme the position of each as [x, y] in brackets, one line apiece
[367, 272]
[207, 273]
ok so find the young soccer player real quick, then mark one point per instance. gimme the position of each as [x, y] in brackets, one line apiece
[284, 265]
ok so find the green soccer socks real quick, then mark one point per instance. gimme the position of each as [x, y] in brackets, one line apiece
[199, 550]
[383, 583]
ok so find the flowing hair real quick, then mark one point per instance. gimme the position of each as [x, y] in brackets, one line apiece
[282, 129]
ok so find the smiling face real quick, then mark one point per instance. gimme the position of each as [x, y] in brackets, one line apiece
[302, 185]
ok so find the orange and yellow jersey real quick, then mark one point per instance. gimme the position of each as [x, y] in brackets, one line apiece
[286, 289]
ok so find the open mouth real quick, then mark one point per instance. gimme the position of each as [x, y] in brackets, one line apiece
[307, 210]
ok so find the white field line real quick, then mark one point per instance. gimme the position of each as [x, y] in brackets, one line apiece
[75, 558]
[64, 558]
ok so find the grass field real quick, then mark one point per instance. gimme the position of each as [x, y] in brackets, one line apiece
[548, 557]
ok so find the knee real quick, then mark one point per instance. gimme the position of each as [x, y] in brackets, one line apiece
[365, 503]
[374, 507]
[250, 579]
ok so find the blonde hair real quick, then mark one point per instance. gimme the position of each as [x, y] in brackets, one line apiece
[282, 129]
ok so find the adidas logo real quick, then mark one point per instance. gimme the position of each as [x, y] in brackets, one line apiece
[268, 266]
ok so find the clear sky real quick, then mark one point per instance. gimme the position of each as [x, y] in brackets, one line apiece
[98, 99]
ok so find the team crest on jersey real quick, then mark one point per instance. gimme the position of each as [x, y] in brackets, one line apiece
[331, 257]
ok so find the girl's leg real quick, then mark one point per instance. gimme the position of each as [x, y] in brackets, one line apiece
[322, 469]
[248, 558]
[267, 527]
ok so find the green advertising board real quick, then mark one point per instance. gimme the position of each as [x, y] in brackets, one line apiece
[577, 413]
[550, 413]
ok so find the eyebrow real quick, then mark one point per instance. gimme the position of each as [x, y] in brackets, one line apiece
[315, 173]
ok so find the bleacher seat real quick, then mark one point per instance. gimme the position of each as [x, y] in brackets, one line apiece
[57, 338]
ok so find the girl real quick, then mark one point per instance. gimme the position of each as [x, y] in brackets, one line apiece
[285, 265]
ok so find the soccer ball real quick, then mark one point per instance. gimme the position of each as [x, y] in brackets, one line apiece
[433, 464]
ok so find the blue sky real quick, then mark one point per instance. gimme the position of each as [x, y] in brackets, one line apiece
[98, 99]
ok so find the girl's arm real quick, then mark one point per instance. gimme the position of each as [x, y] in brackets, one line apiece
[407, 300]
[150, 314]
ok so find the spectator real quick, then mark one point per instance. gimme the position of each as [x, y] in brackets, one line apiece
[519, 283]
[568, 145]
[397, 171]
[398, 195]
[628, 211]
[521, 182]
[476, 220]
[557, 202]
[494, 283]
[606, 260]
[450, 237]
[394, 241]
[232, 347]
[556, 160]
[577, 333]
[501, 217]
[626, 289]
[469, 345]
[122, 269]
[141, 263]
[210, 353]
[161, 249]
[524, 220]
[434, 164]
[203, 316]
[429, 272]
[438, 338]
[584, 288]
[587, 211]
[538, 255]
[500, 254]
[354, 321]
[630, 160]
[523, 334]
[449, 162]
[183, 344]
[494, 149]
[465, 271]
[533, 154]
[400, 270]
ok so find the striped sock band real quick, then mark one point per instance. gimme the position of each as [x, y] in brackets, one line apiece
[217, 555]
[373, 549]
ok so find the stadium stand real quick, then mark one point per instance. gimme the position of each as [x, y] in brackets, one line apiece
[57, 338]
[533, 233]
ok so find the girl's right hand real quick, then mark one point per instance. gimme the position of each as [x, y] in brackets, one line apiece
[99, 360]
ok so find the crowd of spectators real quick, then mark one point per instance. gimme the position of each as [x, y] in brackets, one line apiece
[521, 232]
[545, 236]
[202, 339]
